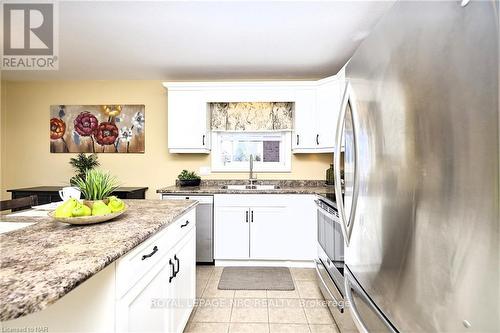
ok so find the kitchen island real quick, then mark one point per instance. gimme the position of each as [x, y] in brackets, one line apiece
[44, 264]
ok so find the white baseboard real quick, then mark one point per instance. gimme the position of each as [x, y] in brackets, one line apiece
[273, 263]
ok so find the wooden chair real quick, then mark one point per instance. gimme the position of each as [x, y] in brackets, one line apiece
[20, 203]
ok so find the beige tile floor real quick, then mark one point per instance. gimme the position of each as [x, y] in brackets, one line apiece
[256, 311]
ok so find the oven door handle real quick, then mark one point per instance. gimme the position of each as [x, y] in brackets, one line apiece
[339, 304]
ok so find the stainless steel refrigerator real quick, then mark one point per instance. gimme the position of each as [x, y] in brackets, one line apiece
[420, 127]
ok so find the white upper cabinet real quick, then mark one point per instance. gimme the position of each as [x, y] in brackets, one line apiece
[328, 101]
[316, 116]
[317, 105]
[304, 120]
[188, 122]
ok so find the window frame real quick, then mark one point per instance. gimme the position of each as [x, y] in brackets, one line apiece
[262, 167]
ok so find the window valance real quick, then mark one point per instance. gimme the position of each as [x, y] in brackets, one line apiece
[251, 116]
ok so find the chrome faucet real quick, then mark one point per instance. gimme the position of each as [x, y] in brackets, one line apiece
[251, 178]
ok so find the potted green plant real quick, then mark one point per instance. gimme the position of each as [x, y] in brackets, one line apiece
[189, 178]
[81, 164]
[97, 186]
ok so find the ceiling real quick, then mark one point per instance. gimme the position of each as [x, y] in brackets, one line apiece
[207, 40]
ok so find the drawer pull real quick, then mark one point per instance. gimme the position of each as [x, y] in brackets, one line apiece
[185, 224]
[155, 249]
[173, 270]
[178, 265]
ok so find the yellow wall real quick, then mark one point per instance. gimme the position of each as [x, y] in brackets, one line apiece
[26, 160]
[2, 138]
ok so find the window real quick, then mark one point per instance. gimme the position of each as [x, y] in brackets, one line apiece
[271, 151]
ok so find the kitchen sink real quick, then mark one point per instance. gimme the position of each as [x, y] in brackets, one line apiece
[11, 226]
[250, 187]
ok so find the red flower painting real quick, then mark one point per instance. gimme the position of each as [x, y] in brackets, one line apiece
[86, 124]
[97, 128]
[57, 128]
[57, 131]
[106, 133]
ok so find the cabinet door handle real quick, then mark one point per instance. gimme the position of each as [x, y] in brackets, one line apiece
[251, 216]
[173, 271]
[178, 265]
[246, 218]
[185, 224]
[155, 249]
[317, 139]
[203, 140]
[298, 140]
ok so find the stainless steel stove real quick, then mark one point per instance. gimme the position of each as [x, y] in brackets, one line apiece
[330, 261]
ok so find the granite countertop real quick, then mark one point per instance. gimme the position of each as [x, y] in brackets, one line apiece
[285, 187]
[41, 263]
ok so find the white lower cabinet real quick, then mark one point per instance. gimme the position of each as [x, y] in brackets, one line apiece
[264, 227]
[143, 308]
[269, 235]
[231, 231]
[182, 289]
[163, 298]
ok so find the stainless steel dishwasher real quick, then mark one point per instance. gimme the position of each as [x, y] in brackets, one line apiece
[204, 224]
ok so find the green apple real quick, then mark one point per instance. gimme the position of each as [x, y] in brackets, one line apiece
[116, 204]
[81, 210]
[100, 208]
[66, 208]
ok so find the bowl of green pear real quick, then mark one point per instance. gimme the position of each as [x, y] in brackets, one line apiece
[98, 205]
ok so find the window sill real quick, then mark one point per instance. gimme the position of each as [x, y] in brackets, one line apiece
[270, 170]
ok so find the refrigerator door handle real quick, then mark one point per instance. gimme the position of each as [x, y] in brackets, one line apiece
[336, 162]
[347, 218]
[354, 311]
[351, 284]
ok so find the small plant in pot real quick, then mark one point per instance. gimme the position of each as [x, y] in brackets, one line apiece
[189, 178]
[96, 188]
[81, 164]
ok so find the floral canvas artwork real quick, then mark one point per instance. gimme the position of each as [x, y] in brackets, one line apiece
[97, 128]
